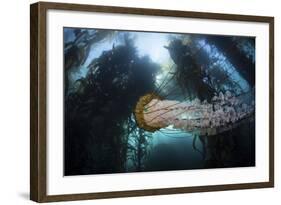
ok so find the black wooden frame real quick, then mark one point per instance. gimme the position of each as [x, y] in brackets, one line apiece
[38, 95]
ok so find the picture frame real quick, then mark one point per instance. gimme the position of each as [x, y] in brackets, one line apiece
[40, 90]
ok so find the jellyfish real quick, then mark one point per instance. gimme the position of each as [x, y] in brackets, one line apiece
[222, 113]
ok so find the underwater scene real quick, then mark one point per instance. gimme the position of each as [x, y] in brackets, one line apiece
[138, 101]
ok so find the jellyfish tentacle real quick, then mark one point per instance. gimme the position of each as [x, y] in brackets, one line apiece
[224, 112]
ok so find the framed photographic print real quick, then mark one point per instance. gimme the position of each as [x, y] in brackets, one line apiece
[134, 102]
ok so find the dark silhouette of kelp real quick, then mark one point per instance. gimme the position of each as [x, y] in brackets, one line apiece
[201, 77]
[98, 114]
[101, 135]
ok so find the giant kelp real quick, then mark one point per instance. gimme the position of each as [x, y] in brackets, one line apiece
[98, 111]
[240, 52]
[203, 76]
[102, 92]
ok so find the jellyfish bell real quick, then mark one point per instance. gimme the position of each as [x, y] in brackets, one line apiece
[141, 107]
[223, 113]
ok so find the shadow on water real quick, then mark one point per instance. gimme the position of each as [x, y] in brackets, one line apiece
[24, 195]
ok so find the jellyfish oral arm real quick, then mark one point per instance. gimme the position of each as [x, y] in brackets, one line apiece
[221, 114]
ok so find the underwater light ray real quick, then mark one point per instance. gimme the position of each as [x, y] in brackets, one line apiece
[164, 83]
[171, 92]
[172, 135]
[173, 131]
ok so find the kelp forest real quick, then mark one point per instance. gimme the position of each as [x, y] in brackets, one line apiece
[146, 101]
